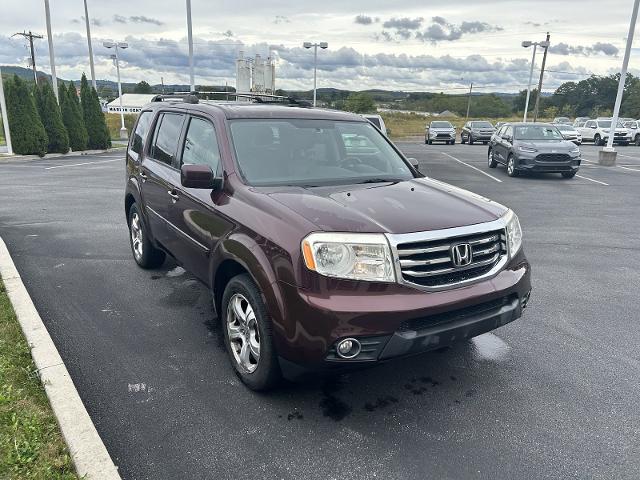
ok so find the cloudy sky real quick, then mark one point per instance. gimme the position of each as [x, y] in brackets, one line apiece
[400, 44]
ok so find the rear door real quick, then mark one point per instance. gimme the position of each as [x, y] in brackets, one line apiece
[193, 212]
[159, 173]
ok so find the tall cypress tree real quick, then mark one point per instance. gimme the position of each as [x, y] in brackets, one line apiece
[51, 118]
[72, 117]
[27, 132]
[93, 117]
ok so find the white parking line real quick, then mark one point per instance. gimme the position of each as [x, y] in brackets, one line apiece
[592, 180]
[471, 166]
[630, 169]
[85, 163]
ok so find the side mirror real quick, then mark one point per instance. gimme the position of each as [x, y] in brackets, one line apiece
[414, 163]
[593, 126]
[198, 176]
[507, 138]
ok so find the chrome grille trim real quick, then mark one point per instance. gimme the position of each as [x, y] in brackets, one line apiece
[489, 252]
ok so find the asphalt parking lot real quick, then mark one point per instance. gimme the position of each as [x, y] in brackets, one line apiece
[553, 395]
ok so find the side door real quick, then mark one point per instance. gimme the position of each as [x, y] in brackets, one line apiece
[588, 131]
[498, 147]
[464, 134]
[193, 212]
[160, 175]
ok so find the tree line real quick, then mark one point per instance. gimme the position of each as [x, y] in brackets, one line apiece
[40, 125]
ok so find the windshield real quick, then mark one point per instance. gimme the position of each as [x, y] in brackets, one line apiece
[565, 128]
[537, 132]
[441, 125]
[481, 125]
[305, 152]
[607, 124]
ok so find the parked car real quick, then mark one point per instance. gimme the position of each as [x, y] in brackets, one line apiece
[533, 147]
[597, 131]
[580, 120]
[319, 256]
[476, 131]
[570, 133]
[562, 120]
[440, 131]
[634, 131]
[378, 121]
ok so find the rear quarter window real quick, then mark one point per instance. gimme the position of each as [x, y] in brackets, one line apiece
[140, 134]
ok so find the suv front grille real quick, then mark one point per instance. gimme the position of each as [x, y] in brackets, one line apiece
[553, 157]
[429, 263]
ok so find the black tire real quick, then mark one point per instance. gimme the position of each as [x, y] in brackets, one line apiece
[471, 140]
[637, 140]
[453, 142]
[511, 166]
[462, 140]
[491, 160]
[425, 140]
[267, 374]
[485, 143]
[569, 174]
[144, 253]
[430, 142]
[597, 140]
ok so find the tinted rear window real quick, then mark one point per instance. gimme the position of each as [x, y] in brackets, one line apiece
[140, 135]
[165, 144]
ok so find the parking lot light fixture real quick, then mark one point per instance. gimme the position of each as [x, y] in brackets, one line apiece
[118, 46]
[324, 46]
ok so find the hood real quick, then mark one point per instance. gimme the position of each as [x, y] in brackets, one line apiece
[548, 146]
[403, 207]
[442, 129]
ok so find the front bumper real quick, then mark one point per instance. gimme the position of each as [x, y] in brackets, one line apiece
[392, 320]
[441, 137]
[533, 164]
[617, 139]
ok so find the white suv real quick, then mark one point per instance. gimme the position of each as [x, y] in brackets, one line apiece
[440, 131]
[597, 131]
[634, 130]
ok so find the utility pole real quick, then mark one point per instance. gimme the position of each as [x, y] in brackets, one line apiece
[31, 36]
[190, 37]
[93, 71]
[52, 60]
[5, 120]
[544, 62]
[469, 102]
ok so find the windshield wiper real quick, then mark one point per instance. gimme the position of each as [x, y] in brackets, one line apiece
[379, 180]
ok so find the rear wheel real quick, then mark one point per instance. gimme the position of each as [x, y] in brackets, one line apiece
[144, 253]
[492, 160]
[597, 140]
[569, 174]
[248, 334]
[470, 140]
[511, 167]
[462, 140]
[637, 140]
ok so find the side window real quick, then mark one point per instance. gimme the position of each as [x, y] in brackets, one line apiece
[166, 137]
[201, 145]
[509, 132]
[501, 131]
[140, 134]
[590, 124]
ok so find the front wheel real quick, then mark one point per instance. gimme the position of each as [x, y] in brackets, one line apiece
[144, 253]
[569, 174]
[471, 140]
[462, 140]
[511, 167]
[637, 140]
[248, 334]
[597, 140]
[492, 160]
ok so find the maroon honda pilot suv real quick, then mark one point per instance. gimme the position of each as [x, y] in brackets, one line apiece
[322, 245]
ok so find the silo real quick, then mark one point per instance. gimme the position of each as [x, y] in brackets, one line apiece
[258, 75]
[270, 76]
[243, 74]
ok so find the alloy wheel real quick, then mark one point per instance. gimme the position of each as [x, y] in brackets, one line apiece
[243, 333]
[511, 167]
[136, 236]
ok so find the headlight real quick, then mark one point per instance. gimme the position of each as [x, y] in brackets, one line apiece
[575, 151]
[527, 149]
[356, 256]
[514, 233]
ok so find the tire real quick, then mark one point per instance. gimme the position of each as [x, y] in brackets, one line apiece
[462, 140]
[425, 140]
[569, 174]
[492, 161]
[453, 142]
[625, 144]
[430, 142]
[637, 141]
[511, 167]
[244, 316]
[470, 140]
[597, 140]
[143, 251]
[485, 143]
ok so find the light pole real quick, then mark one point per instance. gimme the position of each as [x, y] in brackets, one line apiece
[52, 60]
[5, 120]
[119, 46]
[608, 154]
[324, 46]
[190, 39]
[91, 67]
[527, 44]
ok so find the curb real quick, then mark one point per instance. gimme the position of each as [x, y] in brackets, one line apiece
[89, 455]
[4, 156]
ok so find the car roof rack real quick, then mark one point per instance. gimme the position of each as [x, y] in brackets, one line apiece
[262, 98]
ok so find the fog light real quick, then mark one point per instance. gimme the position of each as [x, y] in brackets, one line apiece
[348, 348]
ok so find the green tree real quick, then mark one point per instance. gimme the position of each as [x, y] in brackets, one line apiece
[72, 118]
[360, 102]
[142, 87]
[94, 120]
[28, 135]
[51, 118]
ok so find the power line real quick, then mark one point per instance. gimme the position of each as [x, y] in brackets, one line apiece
[31, 36]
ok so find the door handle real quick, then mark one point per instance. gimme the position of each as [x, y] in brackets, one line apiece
[174, 196]
[143, 175]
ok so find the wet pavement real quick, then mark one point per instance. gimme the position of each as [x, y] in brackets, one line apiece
[553, 395]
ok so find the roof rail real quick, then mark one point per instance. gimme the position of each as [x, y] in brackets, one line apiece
[194, 97]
